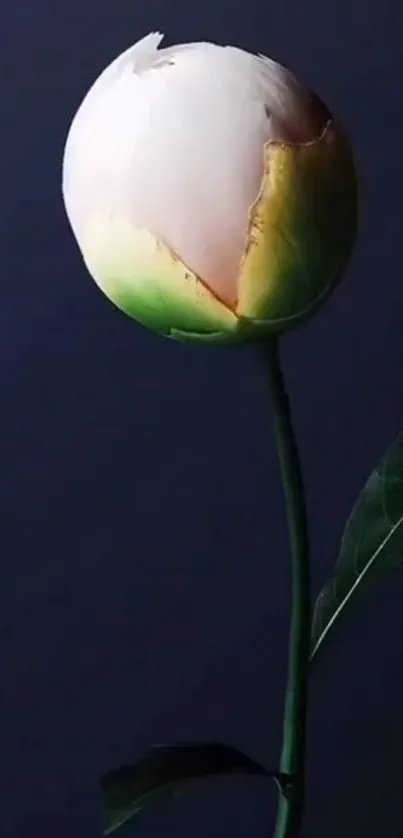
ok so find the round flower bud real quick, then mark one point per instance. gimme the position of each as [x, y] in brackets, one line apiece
[212, 196]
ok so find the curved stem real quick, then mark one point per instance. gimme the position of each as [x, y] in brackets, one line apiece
[291, 804]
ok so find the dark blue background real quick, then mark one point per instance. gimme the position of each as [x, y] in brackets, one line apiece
[144, 568]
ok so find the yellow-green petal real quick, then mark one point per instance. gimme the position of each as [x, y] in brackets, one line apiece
[146, 280]
[301, 232]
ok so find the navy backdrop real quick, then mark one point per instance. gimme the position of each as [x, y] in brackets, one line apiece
[144, 568]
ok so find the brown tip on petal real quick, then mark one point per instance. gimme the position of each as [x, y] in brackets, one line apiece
[320, 115]
[309, 123]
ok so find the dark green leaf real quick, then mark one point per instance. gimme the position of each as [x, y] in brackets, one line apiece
[165, 771]
[372, 543]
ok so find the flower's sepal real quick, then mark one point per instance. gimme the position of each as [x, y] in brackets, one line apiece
[146, 280]
[244, 331]
[301, 232]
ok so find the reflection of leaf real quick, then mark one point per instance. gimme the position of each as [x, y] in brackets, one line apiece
[165, 771]
[372, 543]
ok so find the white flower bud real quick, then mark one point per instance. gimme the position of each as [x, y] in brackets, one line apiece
[167, 155]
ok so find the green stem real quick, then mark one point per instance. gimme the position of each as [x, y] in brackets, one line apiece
[291, 805]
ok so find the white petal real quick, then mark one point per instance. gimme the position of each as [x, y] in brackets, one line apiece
[172, 140]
